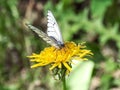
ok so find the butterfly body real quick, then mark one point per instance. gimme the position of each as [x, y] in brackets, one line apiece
[59, 43]
[53, 36]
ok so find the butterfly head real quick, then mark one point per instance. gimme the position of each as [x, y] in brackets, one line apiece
[60, 44]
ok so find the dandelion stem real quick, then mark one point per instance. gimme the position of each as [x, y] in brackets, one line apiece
[64, 83]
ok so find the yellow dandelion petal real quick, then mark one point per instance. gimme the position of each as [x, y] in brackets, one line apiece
[60, 65]
[67, 66]
[53, 66]
[60, 57]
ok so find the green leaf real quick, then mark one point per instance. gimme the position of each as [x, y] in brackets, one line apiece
[79, 78]
[98, 7]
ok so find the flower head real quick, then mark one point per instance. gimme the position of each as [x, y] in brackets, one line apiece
[60, 58]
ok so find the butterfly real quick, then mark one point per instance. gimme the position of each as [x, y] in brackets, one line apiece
[53, 35]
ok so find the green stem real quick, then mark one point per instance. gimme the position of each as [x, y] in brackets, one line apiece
[64, 83]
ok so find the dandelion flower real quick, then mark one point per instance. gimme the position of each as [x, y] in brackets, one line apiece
[59, 58]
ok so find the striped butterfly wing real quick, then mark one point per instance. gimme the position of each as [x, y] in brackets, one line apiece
[53, 29]
[43, 35]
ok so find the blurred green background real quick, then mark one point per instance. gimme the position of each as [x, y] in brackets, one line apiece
[96, 22]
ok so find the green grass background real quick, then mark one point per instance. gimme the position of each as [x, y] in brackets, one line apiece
[96, 22]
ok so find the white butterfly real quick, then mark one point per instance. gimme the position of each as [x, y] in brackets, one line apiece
[53, 36]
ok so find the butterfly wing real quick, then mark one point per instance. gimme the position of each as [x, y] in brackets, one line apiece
[43, 35]
[53, 29]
